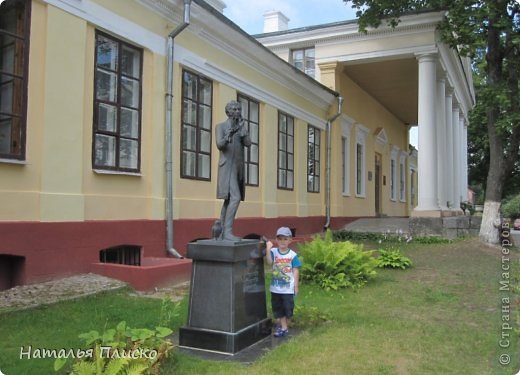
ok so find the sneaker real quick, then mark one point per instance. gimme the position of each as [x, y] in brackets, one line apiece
[281, 332]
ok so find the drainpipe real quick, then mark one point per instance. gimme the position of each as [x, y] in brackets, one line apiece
[328, 161]
[169, 142]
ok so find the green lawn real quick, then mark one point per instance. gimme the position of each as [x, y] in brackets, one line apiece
[443, 316]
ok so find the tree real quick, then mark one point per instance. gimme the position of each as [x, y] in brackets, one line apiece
[488, 31]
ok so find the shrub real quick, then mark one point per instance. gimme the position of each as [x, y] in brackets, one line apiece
[122, 350]
[334, 265]
[511, 208]
[392, 258]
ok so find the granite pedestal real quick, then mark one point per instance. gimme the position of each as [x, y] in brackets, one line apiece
[227, 308]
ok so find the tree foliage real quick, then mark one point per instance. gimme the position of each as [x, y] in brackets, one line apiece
[488, 31]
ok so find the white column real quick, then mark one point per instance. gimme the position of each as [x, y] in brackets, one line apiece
[427, 160]
[456, 157]
[442, 180]
[449, 148]
[465, 161]
[462, 194]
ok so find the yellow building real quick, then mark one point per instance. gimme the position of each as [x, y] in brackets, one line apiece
[93, 156]
[391, 80]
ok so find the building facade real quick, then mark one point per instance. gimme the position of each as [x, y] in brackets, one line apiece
[97, 153]
[392, 80]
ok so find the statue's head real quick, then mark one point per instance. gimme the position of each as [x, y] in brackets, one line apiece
[232, 107]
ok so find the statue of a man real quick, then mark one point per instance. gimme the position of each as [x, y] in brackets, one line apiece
[232, 136]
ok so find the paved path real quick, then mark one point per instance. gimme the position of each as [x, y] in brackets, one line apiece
[379, 225]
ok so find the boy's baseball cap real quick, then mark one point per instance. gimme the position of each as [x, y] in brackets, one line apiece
[284, 231]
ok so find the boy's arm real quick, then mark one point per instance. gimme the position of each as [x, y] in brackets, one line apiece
[268, 256]
[296, 274]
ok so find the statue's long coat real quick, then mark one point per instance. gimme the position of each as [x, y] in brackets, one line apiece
[231, 161]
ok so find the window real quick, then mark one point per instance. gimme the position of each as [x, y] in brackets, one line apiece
[117, 105]
[285, 151]
[402, 183]
[14, 53]
[393, 173]
[303, 59]
[359, 169]
[313, 160]
[345, 165]
[250, 113]
[197, 96]
[345, 157]
[360, 161]
[392, 179]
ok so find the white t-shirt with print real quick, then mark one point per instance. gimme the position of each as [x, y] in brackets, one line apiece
[283, 276]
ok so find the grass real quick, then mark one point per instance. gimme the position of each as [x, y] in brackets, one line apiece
[443, 316]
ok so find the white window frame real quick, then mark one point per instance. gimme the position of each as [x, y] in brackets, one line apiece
[393, 173]
[402, 177]
[346, 127]
[361, 137]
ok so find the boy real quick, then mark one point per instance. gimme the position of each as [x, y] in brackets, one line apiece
[285, 281]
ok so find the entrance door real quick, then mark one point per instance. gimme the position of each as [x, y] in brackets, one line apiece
[377, 182]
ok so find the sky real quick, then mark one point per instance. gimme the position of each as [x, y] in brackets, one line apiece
[249, 15]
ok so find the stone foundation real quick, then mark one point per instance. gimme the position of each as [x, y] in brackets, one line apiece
[446, 227]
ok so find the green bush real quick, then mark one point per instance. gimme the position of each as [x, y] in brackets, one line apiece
[392, 258]
[122, 350]
[511, 207]
[334, 265]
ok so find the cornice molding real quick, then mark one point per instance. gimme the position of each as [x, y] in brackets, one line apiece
[211, 70]
[346, 32]
[282, 75]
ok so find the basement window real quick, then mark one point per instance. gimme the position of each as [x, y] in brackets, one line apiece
[123, 254]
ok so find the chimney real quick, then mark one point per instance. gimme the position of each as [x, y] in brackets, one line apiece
[275, 21]
[217, 4]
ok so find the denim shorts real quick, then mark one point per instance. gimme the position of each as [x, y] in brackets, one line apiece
[282, 305]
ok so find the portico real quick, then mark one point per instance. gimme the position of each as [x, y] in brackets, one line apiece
[420, 82]
[442, 129]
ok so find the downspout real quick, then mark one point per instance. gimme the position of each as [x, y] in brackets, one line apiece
[328, 161]
[169, 141]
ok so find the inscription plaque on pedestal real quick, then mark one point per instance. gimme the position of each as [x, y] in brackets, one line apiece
[227, 308]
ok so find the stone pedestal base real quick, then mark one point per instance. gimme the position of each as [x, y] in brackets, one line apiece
[227, 309]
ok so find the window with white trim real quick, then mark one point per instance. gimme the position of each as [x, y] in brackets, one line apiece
[251, 116]
[303, 59]
[313, 159]
[360, 162]
[402, 178]
[345, 158]
[285, 151]
[197, 96]
[393, 174]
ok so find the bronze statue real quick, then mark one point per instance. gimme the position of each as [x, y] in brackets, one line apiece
[232, 136]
